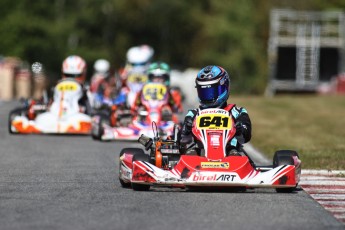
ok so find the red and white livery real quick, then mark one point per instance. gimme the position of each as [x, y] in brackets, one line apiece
[210, 165]
[155, 108]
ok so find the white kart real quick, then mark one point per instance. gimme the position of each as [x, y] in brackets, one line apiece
[63, 116]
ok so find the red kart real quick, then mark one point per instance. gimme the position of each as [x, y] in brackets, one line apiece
[123, 125]
[206, 163]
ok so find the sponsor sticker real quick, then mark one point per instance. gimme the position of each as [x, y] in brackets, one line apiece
[215, 165]
[215, 140]
[218, 111]
[214, 177]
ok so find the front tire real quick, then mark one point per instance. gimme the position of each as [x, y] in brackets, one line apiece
[284, 157]
[140, 157]
[134, 151]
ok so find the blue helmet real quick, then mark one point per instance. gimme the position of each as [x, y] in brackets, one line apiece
[213, 86]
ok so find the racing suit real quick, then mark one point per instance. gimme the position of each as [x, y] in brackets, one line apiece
[84, 101]
[172, 102]
[242, 123]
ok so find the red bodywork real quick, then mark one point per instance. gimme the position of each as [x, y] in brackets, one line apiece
[214, 128]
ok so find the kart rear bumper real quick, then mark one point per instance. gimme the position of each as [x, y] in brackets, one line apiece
[49, 124]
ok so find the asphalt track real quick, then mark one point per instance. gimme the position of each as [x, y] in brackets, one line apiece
[70, 182]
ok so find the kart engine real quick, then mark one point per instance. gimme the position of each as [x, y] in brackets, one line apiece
[163, 153]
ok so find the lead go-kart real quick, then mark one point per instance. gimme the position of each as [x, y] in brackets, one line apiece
[63, 116]
[206, 164]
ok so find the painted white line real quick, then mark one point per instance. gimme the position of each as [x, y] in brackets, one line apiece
[332, 203]
[338, 209]
[329, 196]
[314, 178]
[340, 216]
[303, 178]
[324, 190]
[325, 183]
[323, 172]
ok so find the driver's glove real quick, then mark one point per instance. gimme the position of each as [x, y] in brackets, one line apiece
[240, 128]
[187, 126]
[186, 139]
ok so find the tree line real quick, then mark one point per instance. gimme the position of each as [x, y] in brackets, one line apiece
[193, 33]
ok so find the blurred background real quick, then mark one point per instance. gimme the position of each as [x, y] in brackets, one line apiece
[235, 34]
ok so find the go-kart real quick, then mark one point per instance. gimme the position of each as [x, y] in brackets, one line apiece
[206, 163]
[123, 124]
[63, 116]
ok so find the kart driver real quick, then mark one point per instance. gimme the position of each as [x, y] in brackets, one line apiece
[159, 72]
[138, 59]
[75, 67]
[103, 84]
[213, 88]
[99, 78]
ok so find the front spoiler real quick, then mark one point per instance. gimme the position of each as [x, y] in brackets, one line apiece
[283, 176]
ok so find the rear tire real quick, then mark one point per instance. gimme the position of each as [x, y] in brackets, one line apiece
[134, 151]
[97, 129]
[140, 157]
[284, 157]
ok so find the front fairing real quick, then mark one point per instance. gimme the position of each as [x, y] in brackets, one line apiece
[214, 128]
[154, 96]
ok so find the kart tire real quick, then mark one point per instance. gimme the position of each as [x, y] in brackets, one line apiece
[12, 114]
[140, 157]
[97, 129]
[284, 157]
[128, 150]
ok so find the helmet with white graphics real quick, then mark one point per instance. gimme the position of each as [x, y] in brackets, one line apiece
[74, 67]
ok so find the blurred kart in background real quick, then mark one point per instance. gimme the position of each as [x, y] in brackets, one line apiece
[121, 123]
[63, 116]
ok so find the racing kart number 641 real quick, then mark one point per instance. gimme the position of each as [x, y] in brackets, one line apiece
[207, 163]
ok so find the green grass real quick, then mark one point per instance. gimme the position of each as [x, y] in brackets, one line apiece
[314, 126]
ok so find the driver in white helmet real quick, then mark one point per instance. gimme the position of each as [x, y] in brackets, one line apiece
[103, 85]
[75, 67]
[138, 60]
[101, 73]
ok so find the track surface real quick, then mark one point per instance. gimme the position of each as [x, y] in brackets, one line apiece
[70, 182]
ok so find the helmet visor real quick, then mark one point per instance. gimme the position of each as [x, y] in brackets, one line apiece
[138, 64]
[159, 78]
[208, 94]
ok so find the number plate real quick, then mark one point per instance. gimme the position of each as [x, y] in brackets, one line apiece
[214, 121]
[67, 86]
[154, 92]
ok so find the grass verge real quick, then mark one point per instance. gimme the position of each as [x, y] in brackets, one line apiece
[314, 126]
